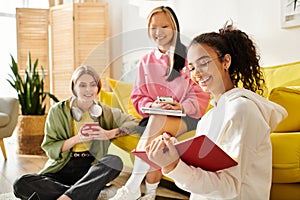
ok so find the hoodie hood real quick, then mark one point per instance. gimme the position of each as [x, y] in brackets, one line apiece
[273, 113]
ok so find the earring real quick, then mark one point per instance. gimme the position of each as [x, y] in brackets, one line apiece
[226, 68]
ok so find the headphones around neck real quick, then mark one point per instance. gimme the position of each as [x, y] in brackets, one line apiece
[95, 111]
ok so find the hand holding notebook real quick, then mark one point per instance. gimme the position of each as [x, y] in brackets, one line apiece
[199, 151]
[162, 151]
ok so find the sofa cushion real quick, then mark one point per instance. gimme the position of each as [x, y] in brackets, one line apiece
[122, 90]
[289, 98]
[282, 75]
[4, 119]
[109, 98]
[128, 142]
[286, 157]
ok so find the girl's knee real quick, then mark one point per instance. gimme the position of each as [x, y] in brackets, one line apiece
[112, 161]
[20, 186]
[22, 181]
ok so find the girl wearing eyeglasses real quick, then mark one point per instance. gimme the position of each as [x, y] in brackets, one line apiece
[227, 65]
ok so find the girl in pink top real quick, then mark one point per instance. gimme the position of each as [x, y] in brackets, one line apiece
[162, 73]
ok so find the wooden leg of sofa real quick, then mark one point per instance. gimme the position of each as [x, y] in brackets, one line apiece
[3, 148]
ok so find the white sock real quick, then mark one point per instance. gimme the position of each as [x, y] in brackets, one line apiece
[140, 169]
[151, 187]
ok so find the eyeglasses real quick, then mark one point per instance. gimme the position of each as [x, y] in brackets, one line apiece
[201, 64]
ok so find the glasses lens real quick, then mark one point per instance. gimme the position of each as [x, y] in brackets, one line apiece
[201, 64]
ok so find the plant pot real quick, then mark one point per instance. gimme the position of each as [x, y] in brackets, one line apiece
[30, 130]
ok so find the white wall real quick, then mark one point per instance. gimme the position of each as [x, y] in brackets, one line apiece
[8, 39]
[115, 24]
[260, 19]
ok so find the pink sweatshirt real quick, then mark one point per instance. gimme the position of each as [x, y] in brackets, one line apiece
[151, 82]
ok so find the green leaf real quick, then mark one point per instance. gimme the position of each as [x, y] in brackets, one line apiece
[30, 88]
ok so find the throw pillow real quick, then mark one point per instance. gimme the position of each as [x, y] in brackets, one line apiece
[122, 90]
[289, 98]
[282, 75]
[109, 99]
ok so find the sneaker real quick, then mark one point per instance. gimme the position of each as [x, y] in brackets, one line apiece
[124, 194]
[108, 192]
[150, 196]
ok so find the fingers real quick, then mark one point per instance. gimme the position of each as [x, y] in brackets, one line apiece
[156, 104]
[83, 136]
[166, 136]
[168, 106]
[86, 131]
[173, 140]
[156, 144]
[160, 144]
[94, 126]
[91, 131]
[162, 151]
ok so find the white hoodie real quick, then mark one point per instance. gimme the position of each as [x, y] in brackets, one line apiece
[240, 124]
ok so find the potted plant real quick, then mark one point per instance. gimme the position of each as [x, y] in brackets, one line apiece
[32, 98]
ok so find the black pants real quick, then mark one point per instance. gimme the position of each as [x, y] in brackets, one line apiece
[78, 180]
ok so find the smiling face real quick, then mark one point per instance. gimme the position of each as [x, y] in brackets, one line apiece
[161, 30]
[209, 69]
[86, 89]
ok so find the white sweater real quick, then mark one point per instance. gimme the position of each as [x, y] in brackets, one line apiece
[240, 124]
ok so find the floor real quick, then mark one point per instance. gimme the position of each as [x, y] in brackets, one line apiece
[17, 165]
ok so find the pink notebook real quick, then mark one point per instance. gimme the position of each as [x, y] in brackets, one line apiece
[199, 151]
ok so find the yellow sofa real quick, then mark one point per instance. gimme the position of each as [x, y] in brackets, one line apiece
[283, 83]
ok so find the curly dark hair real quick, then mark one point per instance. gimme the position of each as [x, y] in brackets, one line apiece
[245, 70]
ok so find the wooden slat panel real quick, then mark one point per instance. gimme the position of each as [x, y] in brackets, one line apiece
[77, 29]
[62, 49]
[61, 84]
[32, 36]
[90, 28]
[91, 31]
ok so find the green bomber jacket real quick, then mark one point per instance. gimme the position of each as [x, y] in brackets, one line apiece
[58, 128]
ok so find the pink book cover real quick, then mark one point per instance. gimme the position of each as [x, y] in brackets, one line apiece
[199, 151]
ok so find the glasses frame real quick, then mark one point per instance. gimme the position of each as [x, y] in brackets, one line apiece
[201, 63]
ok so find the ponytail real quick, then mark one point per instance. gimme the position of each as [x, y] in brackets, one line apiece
[244, 70]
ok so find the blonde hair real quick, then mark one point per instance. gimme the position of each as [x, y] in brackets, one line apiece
[168, 14]
[84, 69]
[177, 49]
